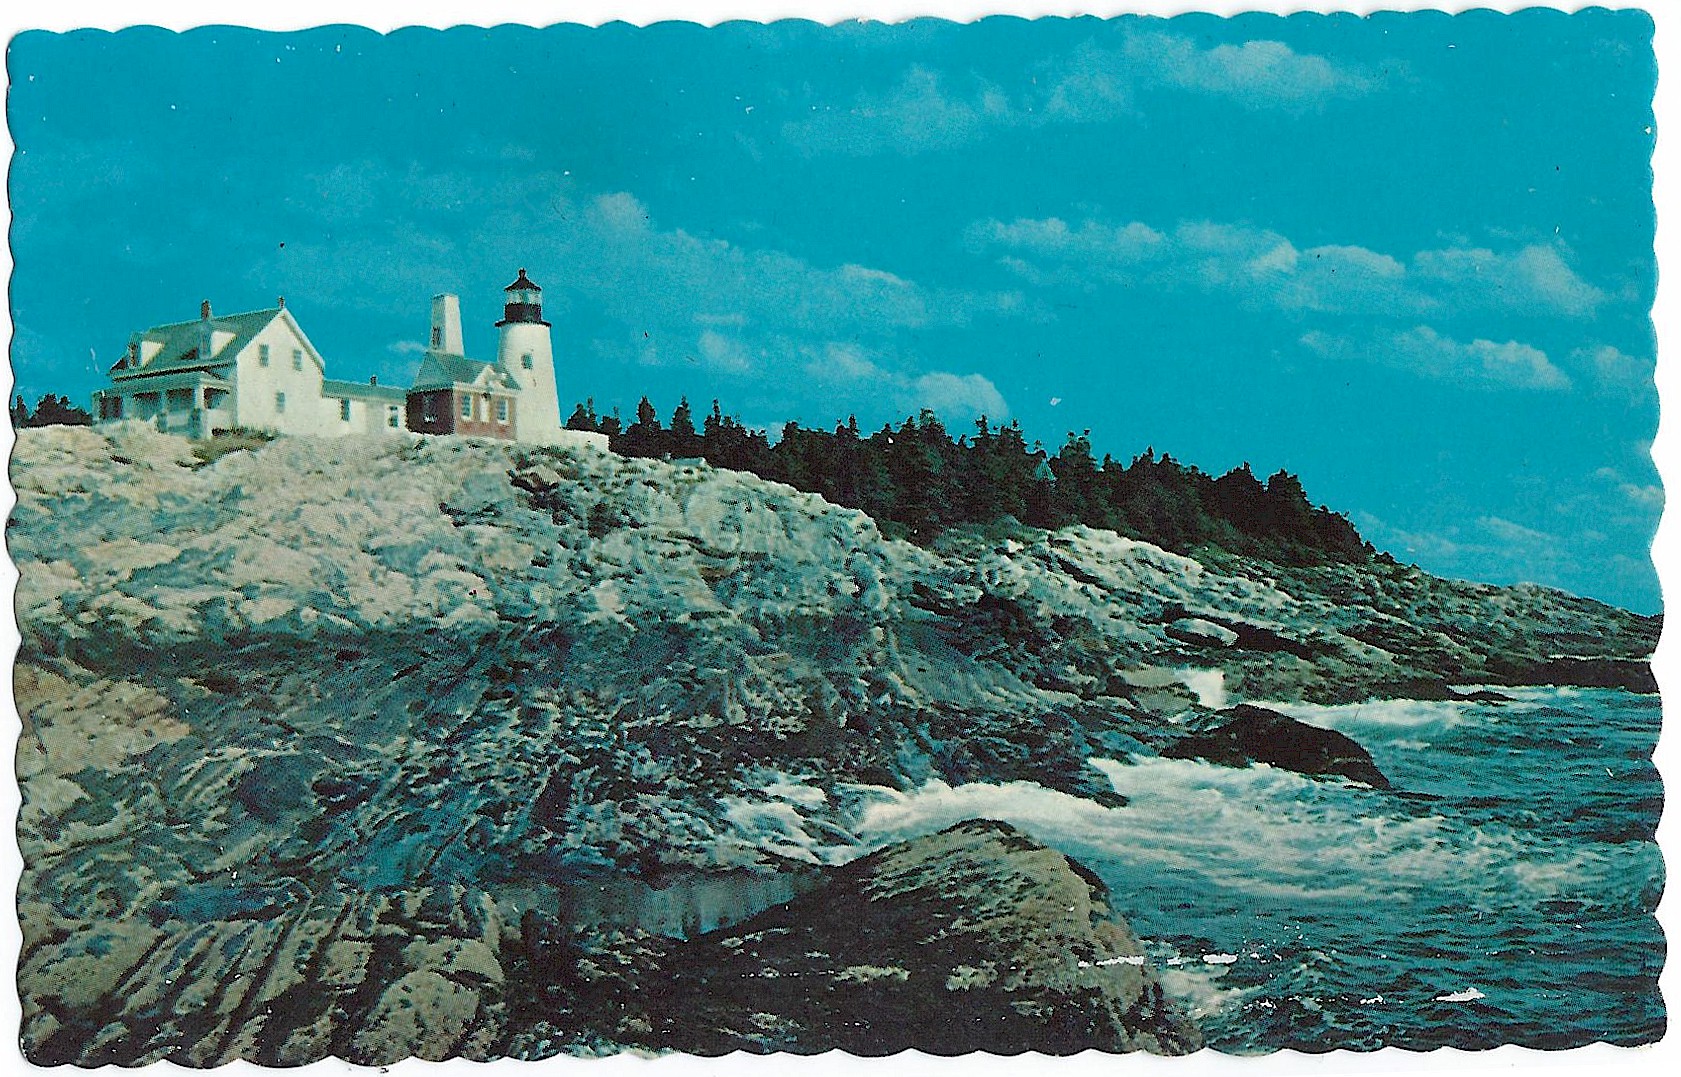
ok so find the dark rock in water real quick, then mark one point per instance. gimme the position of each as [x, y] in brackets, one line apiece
[1482, 695]
[1425, 688]
[1257, 735]
[1629, 674]
[974, 939]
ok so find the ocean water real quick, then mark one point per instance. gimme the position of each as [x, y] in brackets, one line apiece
[1503, 892]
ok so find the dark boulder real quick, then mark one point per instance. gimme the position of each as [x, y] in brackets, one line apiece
[1256, 735]
[974, 939]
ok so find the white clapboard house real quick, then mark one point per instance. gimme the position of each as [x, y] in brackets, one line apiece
[256, 371]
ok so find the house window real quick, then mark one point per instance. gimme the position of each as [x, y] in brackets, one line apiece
[279, 401]
[525, 360]
[297, 359]
[392, 418]
[466, 407]
[501, 411]
[262, 355]
[344, 411]
[427, 414]
[437, 337]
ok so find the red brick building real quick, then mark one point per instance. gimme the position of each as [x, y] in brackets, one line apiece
[456, 395]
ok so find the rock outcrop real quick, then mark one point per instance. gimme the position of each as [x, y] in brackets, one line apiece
[974, 939]
[310, 729]
[1249, 734]
[977, 938]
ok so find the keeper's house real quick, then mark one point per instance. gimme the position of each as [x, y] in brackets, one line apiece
[256, 371]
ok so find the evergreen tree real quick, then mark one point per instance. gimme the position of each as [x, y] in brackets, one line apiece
[644, 437]
[681, 439]
[583, 417]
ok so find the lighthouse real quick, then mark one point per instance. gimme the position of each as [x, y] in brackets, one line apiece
[525, 354]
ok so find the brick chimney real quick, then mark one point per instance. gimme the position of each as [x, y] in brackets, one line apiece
[204, 310]
[281, 301]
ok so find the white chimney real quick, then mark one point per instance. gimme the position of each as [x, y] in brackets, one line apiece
[446, 325]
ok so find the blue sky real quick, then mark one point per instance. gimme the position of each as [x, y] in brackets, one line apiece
[1408, 257]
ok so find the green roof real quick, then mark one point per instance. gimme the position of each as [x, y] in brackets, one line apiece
[179, 342]
[440, 370]
[361, 390]
[177, 379]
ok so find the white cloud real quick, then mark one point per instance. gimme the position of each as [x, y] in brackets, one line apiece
[1616, 369]
[1429, 545]
[724, 353]
[1514, 533]
[848, 374]
[959, 395]
[1089, 84]
[1263, 268]
[1646, 496]
[927, 109]
[1259, 266]
[1508, 363]
[1533, 279]
[918, 113]
[842, 362]
[1424, 351]
[1255, 74]
[1643, 496]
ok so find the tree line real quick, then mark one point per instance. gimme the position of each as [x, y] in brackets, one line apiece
[50, 410]
[916, 480]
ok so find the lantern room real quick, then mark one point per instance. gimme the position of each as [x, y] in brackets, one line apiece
[524, 302]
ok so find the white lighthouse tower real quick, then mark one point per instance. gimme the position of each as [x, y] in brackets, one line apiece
[525, 354]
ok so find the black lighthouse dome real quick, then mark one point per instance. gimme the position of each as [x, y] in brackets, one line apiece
[524, 302]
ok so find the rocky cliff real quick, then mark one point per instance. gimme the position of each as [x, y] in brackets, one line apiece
[321, 739]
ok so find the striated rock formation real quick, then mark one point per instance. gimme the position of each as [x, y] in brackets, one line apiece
[1250, 734]
[977, 938]
[313, 731]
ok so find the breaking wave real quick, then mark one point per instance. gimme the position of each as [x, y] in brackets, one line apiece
[1502, 893]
